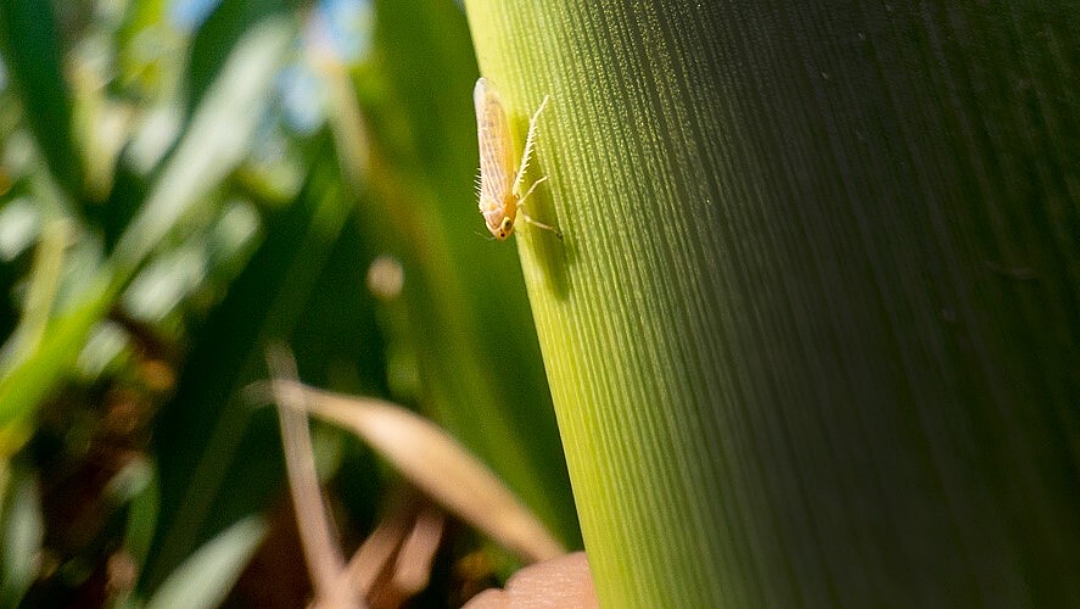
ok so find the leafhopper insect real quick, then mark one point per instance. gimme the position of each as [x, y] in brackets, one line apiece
[500, 178]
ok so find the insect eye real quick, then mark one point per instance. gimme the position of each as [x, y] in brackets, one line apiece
[507, 223]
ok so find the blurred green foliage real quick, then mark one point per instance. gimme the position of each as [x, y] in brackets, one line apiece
[182, 183]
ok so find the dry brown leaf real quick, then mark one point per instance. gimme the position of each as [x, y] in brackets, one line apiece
[333, 589]
[434, 462]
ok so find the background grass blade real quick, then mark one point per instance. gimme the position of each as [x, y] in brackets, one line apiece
[31, 51]
[21, 535]
[205, 578]
[215, 142]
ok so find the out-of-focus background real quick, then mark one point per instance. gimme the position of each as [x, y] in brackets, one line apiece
[184, 182]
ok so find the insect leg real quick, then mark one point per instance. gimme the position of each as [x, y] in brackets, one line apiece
[539, 224]
[521, 201]
[530, 139]
[528, 218]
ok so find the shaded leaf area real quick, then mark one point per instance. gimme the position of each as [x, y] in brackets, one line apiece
[812, 333]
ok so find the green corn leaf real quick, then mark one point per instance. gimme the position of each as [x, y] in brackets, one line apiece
[813, 331]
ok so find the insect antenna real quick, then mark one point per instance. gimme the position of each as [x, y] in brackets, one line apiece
[486, 237]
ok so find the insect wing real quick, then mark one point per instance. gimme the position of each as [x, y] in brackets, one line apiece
[496, 149]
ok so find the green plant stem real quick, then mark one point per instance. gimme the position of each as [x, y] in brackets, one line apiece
[812, 332]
